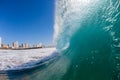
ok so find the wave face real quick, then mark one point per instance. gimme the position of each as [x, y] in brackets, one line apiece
[87, 33]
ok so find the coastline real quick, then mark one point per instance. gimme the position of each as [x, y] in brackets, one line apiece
[24, 48]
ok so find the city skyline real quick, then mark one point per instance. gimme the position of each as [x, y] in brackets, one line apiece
[17, 45]
[2, 42]
[25, 21]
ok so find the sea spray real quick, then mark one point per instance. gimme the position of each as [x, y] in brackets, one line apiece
[87, 32]
[87, 37]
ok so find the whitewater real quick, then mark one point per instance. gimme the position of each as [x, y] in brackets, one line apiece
[87, 38]
[87, 34]
[24, 59]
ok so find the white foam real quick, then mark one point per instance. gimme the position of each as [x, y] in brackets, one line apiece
[69, 16]
[14, 59]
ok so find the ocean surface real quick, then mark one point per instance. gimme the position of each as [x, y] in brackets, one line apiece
[87, 34]
[34, 73]
[87, 37]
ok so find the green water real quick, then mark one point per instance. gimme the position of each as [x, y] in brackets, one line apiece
[87, 35]
[90, 32]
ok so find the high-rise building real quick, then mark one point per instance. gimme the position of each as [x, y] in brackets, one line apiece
[15, 44]
[26, 45]
[40, 45]
[21, 46]
[5, 46]
[0, 41]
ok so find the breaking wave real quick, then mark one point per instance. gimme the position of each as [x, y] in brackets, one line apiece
[87, 33]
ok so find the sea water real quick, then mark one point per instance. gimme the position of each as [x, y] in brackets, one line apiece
[87, 33]
[87, 37]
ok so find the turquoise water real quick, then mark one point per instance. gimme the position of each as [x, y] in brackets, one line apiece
[87, 36]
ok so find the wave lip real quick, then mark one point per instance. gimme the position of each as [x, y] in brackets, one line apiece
[87, 33]
[69, 17]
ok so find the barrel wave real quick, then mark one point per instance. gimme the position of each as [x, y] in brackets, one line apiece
[87, 34]
[87, 37]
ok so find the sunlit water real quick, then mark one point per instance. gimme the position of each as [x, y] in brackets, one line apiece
[87, 36]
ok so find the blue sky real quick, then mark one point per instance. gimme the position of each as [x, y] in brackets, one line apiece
[27, 21]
